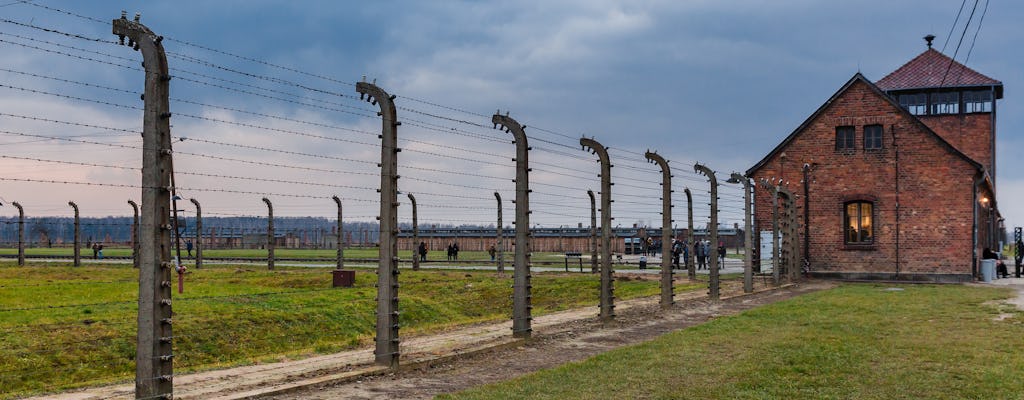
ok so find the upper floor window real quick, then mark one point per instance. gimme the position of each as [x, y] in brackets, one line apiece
[857, 221]
[916, 103]
[872, 137]
[977, 101]
[845, 138]
[945, 103]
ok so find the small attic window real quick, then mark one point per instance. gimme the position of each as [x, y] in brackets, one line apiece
[915, 103]
[845, 138]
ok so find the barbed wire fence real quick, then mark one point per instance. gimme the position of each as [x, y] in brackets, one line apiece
[293, 137]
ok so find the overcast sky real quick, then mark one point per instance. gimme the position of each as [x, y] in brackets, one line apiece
[720, 82]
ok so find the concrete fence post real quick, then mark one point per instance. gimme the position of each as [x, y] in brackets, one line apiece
[415, 234]
[340, 241]
[607, 295]
[748, 261]
[501, 238]
[691, 270]
[387, 351]
[21, 233]
[521, 275]
[154, 366]
[270, 233]
[199, 234]
[776, 264]
[714, 284]
[593, 232]
[78, 237]
[666, 228]
[135, 233]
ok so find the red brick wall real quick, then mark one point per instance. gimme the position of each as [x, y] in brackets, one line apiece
[969, 133]
[935, 191]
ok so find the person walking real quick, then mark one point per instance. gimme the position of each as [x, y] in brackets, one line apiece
[422, 250]
[492, 251]
[698, 251]
[455, 251]
[188, 247]
[451, 251]
[721, 254]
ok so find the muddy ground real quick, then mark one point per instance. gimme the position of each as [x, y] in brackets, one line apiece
[568, 342]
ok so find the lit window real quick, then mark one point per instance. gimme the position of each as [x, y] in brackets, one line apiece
[845, 137]
[857, 223]
[978, 101]
[872, 137]
[916, 104]
[945, 103]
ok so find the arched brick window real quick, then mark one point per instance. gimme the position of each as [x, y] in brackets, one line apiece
[858, 222]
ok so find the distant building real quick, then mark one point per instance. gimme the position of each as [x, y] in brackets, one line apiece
[901, 174]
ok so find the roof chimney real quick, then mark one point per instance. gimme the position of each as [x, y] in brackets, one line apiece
[929, 39]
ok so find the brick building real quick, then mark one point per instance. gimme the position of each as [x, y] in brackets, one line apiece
[899, 175]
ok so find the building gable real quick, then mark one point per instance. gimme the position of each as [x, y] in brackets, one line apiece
[841, 95]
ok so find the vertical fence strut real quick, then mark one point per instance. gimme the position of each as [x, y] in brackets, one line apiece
[415, 234]
[199, 233]
[521, 286]
[78, 236]
[270, 233]
[607, 274]
[666, 228]
[135, 233]
[691, 270]
[748, 260]
[791, 246]
[153, 359]
[21, 233]
[713, 285]
[387, 351]
[340, 241]
[501, 238]
[593, 232]
[771, 188]
[1018, 243]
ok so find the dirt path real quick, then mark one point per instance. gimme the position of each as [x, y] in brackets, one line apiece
[551, 345]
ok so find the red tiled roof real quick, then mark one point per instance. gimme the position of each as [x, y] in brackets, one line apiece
[928, 70]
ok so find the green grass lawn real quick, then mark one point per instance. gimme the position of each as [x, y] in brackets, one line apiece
[853, 342]
[64, 327]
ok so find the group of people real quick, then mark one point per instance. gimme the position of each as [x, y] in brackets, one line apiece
[453, 251]
[701, 252]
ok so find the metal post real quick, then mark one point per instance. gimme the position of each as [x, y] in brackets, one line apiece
[154, 366]
[593, 232]
[135, 234]
[387, 350]
[199, 234]
[21, 233]
[521, 286]
[691, 270]
[340, 244]
[748, 260]
[713, 286]
[78, 234]
[501, 238]
[415, 235]
[607, 274]
[270, 233]
[666, 228]
[1019, 250]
